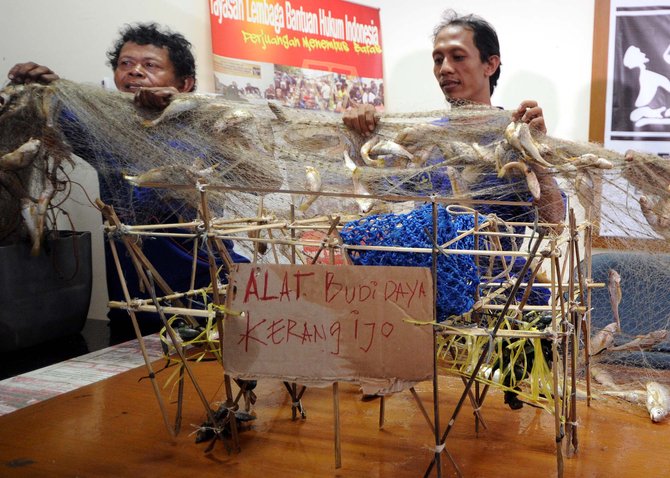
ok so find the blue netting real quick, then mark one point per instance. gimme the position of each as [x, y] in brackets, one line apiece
[457, 277]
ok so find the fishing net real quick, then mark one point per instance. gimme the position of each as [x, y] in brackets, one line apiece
[269, 167]
[457, 276]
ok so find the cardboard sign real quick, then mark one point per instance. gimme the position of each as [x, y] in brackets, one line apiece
[320, 324]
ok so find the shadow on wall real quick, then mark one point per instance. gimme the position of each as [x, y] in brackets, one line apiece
[411, 86]
[527, 85]
[85, 217]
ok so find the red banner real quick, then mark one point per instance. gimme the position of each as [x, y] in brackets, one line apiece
[259, 41]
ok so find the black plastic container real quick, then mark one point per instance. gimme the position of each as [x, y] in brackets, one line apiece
[47, 296]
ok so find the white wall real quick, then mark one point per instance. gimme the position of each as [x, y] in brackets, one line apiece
[546, 55]
[545, 49]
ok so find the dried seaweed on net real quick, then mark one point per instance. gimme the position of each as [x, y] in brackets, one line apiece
[260, 148]
[257, 148]
[31, 154]
[117, 138]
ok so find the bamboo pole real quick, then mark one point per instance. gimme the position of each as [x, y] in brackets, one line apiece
[587, 329]
[292, 232]
[333, 225]
[180, 399]
[476, 401]
[176, 235]
[140, 261]
[565, 343]
[437, 457]
[296, 403]
[382, 407]
[294, 407]
[216, 296]
[555, 367]
[326, 220]
[516, 307]
[583, 310]
[336, 425]
[217, 221]
[257, 244]
[480, 228]
[153, 227]
[529, 286]
[336, 385]
[543, 285]
[216, 238]
[457, 252]
[422, 408]
[149, 272]
[574, 342]
[254, 228]
[228, 234]
[176, 343]
[194, 269]
[484, 351]
[231, 232]
[492, 295]
[140, 340]
[476, 235]
[176, 295]
[345, 255]
[273, 245]
[129, 306]
[338, 194]
[505, 333]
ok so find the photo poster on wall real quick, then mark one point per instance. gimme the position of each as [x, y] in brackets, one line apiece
[323, 55]
[637, 112]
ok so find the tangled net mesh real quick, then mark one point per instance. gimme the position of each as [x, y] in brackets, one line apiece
[262, 161]
[457, 276]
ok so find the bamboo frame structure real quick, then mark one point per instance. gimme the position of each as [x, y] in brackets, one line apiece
[569, 315]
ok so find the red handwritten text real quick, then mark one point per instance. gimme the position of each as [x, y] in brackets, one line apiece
[288, 289]
[285, 331]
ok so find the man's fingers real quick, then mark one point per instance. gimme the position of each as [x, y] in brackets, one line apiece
[31, 72]
[538, 124]
[529, 112]
[350, 121]
[370, 120]
[362, 119]
[15, 72]
[153, 98]
[367, 120]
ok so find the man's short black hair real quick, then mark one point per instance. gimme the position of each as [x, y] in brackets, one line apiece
[484, 37]
[179, 48]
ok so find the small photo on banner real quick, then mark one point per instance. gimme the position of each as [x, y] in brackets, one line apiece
[318, 55]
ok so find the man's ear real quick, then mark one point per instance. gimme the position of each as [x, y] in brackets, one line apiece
[187, 85]
[492, 64]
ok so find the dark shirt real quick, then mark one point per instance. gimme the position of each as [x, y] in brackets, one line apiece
[491, 188]
[172, 257]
